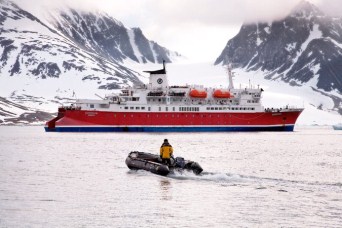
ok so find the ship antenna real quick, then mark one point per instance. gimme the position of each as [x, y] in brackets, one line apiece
[99, 96]
[164, 65]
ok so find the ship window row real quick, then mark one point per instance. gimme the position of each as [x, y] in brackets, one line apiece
[136, 108]
[100, 105]
[254, 94]
[252, 101]
[189, 109]
[131, 98]
[149, 108]
[176, 115]
[166, 109]
[163, 99]
[228, 108]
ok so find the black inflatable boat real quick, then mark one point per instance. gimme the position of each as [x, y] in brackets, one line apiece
[153, 163]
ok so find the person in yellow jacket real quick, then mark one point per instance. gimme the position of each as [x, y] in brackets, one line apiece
[166, 152]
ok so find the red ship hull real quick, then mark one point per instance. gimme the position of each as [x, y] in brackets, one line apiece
[100, 121]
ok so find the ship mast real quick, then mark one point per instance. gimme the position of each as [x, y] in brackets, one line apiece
[230, 76]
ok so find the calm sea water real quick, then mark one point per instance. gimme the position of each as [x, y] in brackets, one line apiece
[279, 179]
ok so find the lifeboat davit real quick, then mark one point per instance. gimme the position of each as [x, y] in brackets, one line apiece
[222, 94]
[198, 93]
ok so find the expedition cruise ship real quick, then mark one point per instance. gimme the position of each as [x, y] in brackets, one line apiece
[158, 107]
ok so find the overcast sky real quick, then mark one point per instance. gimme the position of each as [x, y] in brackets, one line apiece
[198, 29]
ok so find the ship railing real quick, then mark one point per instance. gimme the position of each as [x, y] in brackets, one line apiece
[70, 107]
[283, 109]
[155, 93]
[177, 94]
[273, 109]
[292, 108]
[140, 86]
[179, 87]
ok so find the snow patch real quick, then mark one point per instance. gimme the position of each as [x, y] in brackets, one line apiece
[136, 51]
[290, 47]
[153, 51]
[314, 34]
[258, 40]
[267, 30]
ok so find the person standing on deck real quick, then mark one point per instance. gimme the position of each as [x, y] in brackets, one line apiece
[166, 152]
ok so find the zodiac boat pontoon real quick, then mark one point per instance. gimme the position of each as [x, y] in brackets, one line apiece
[153, 163]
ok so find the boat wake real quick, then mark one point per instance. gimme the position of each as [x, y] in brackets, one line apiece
[258, 183]
[207, 176]
[230, 179]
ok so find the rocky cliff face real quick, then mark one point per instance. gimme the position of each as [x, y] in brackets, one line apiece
[103, 34]
[303, 49]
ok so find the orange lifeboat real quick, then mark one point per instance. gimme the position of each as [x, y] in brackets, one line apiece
[198, 93]
[222, 94]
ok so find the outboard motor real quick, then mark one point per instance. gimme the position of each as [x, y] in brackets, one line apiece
[196, 168]
[180, 162]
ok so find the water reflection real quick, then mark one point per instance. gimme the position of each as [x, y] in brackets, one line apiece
[165, 189]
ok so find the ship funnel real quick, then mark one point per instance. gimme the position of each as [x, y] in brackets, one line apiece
[158, 78]
[162, 71]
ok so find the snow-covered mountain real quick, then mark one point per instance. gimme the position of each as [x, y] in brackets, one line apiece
[48, 61]
[103, 34]
[303, 50]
